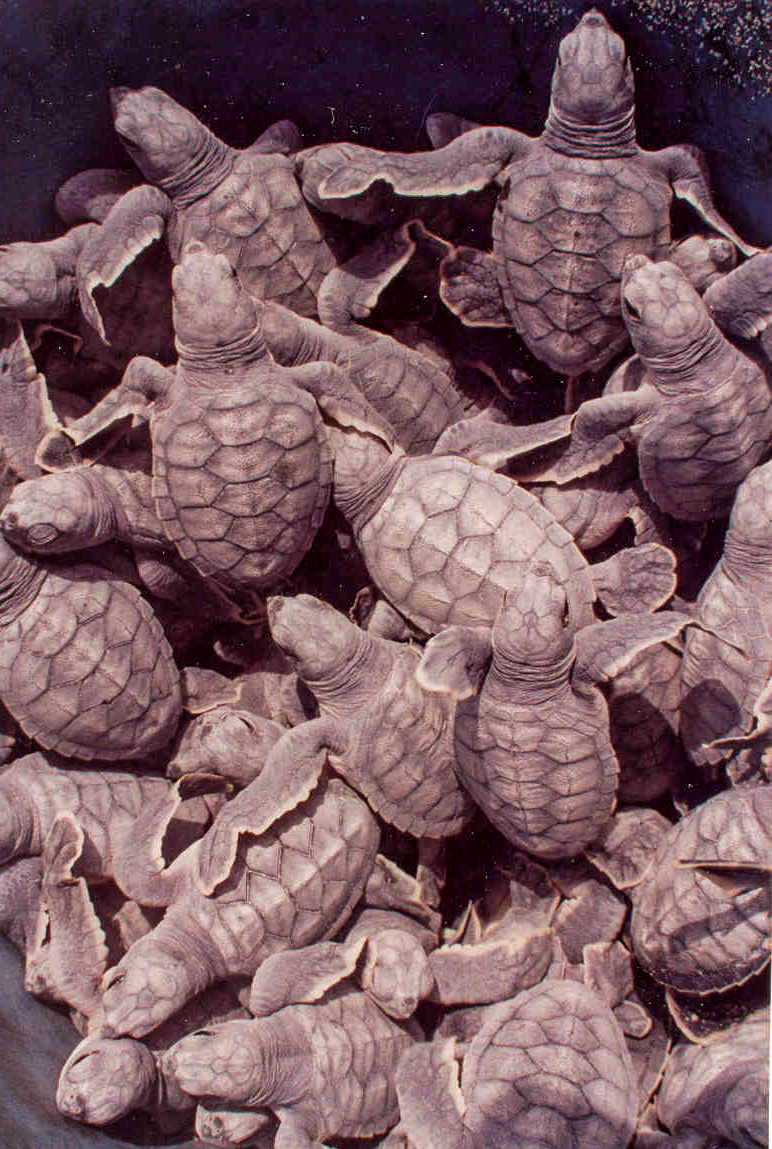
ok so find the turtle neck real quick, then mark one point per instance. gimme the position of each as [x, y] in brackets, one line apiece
[590, 141]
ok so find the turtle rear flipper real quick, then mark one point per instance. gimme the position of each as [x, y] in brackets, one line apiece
[139, 217]
[68, 955]
[469, 287]
[637, 579]
[26, 414]
[291, 772]
[431, 1103]
[302, 975]
[741, 301]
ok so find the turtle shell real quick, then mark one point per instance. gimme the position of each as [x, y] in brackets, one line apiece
[694, 931]
[562, 230]
[451, 538]
[85, 667]
[241, 477]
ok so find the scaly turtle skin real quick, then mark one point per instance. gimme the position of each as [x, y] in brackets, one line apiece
[85, 668]
[444, 538]
[241, 462]
[727, 672]
[339, 1059]
[245, 205]
[704, 927]
[575, 202]
[274, 874]
[389, 738]
[533, 746]
[721, 1089]
[548, 1068]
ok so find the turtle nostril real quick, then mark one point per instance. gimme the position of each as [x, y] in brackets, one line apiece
[9, 520]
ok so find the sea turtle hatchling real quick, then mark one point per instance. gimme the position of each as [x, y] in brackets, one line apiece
[244, 204]
[384, 734]
[531, 726]
[547, 1068]
[700, 918]
[241, 461]
[444, 538]
[575, 202]
[339, 1057]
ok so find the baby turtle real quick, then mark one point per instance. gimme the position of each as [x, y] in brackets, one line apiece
[277, 870]
[245, 205]
[444, 538]
[85, 667]
[386, 735]
[575, 202]
[701, 913]
[719, 1090]
[340, 1057]
[532, 728]
[241, 462]
[726, 672]
[548, 1068]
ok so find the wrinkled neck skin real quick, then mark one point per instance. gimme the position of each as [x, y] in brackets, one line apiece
[528, 683]
[18, 824]
[212, 162]
[102, 520]
[600, 141]
[236, 358]
[280, 1054]
[684, 370]
[20, 582]
[364, 474]
[366, 667]
[742, 562]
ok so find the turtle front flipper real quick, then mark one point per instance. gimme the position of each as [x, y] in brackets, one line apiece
[469, 287]
[741, 302]
[684, 165]
[303, 975]
[431, 1103]
[26, 414]
[493, 969]
[341, 400]
[604, 649]
[68, 956]
[139, 217]
[493, 443]
[455, 661]
[91, 194]
[637, 579]
[290, 774]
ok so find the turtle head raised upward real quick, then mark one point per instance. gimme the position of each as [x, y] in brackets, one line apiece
[165, 140]
[533, 633]
[593, 79]
[213, 315]
[104, 1078]
[669, 324]
[54, 513]
[318, 639]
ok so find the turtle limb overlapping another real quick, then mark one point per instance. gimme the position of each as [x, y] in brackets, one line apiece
[506, 1091]
[241, 461]
[575, 202]
[726, 674]
[531, 726]
[443, 538]
[416, 388]
[245, 205]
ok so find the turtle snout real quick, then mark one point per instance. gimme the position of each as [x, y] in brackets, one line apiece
[116, 96]
[593, 19]
[274, 607]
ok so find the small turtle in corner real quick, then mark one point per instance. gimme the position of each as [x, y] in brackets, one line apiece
[245, 205]
[575, 202]
[532, 728]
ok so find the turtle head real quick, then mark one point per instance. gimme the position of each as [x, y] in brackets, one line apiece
[317, 638]
[30, 284]
[225, 1061]
[161, 136]
[593, 79]
[51, 514]
[533, 632]
[211, 310]
[224, 741]
[665, 316]
[396, 972]
[104, 1078]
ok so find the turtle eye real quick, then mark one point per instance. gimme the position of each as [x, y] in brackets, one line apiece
[633, 311]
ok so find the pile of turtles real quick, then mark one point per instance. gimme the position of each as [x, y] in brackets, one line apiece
[388, 702]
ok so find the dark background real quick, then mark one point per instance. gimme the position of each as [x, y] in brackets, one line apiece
[367, 70]
[370, 70]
